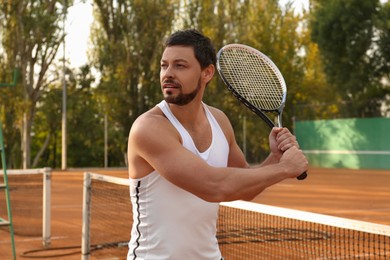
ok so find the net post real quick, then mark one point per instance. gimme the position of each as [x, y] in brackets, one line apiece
[46, 203]
[85, 235]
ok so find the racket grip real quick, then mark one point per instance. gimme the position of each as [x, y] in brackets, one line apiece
[302, 176]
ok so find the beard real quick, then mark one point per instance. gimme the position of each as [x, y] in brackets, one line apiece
[182, 99]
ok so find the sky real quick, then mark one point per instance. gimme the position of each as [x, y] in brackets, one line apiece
[79, 21]
[78, 26]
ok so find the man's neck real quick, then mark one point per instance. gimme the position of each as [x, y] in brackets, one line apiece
[190, 115]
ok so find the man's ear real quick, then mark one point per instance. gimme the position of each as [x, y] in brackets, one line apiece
[208, 73]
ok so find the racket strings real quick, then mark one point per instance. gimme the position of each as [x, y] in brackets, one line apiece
[253, 78]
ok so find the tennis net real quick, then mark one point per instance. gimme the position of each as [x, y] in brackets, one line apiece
[246, 230]
[30, 203]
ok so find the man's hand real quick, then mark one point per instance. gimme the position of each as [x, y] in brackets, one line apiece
[294, 161]
[280, 140]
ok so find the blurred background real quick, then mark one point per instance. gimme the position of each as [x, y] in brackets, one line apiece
[74, 75]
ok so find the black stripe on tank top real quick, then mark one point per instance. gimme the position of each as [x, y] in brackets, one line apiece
[138, 218]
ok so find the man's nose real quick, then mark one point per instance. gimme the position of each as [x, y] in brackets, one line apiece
[167, 73]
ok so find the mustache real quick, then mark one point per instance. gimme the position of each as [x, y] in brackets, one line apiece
[171, 82]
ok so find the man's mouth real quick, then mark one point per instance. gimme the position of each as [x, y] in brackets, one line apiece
[170, 85]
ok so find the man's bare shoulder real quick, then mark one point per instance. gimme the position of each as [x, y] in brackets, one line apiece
[150, 140]
[151, 116]
[151, 123]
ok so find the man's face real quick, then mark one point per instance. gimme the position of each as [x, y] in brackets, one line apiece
[180, 75]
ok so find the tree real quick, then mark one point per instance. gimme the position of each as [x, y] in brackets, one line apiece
[315, 98]
[85, 138]
[383, 51]
[31, 37]
[127, 37]
[127, 40]
[351, 43]
[129, 66]
[264, 25]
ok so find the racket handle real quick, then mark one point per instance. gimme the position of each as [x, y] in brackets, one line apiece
[302, 176]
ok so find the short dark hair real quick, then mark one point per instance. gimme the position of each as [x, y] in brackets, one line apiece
[203, 47]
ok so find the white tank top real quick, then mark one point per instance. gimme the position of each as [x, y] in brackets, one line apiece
[169, 222]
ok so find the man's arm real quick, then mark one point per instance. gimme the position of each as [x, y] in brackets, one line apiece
[154, 141]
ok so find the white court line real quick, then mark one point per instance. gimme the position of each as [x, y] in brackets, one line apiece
[36, 239]
[346, 152]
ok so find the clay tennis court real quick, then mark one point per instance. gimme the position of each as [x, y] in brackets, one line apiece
[357, 194]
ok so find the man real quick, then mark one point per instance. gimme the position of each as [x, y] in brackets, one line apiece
[183, 160]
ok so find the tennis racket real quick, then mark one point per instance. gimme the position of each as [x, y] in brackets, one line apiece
[255, 81]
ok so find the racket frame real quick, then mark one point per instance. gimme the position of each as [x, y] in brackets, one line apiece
[258, 111]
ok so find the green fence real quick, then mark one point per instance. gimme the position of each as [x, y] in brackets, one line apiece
[346, 143]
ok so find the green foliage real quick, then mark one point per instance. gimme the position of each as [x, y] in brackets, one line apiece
[11, 133]
[348, 40]
[383, 51]
[351, 36]
[271, 29]
[127, 40]
[84, 123]
[30, 34]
